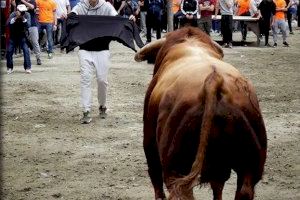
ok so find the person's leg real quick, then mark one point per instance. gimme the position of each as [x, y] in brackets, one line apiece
[9, 54]
[49, 30]
[34, 36]
[101, 60]
[27, 62]
[86, 75]
[143, 21]
[148, 26]
[283, 28]
[275, 31]
[230, 23]
[209, 25]
[289, 19]
[223, 28]
[266, 28]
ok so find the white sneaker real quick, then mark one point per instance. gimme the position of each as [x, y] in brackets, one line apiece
[28, 71]
[9, 71]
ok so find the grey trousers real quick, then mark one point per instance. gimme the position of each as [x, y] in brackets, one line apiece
[34, 39]
[281, 25]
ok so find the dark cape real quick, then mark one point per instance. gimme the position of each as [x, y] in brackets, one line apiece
[94, 32]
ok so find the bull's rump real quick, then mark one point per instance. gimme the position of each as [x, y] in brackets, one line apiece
[178, 98]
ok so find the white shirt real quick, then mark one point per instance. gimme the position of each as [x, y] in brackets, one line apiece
[61, 7]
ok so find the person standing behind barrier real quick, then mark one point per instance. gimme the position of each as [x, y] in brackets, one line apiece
[279, 22]
[62, 10]
[206, 8]
[154, 17]
[18, 23]
[243, 9]
[47, 21]
[226, 10]
[291, 12]
[266, 10]
[33, 29]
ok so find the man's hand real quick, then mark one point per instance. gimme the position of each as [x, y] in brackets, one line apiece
[18, 14]
[132, 17]
[189, 16]
[54, 27]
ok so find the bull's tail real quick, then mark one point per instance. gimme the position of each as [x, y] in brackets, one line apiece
[212, 85]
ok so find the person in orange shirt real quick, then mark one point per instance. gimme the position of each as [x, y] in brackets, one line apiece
[243, 9]
[47, 21]
[279, 22]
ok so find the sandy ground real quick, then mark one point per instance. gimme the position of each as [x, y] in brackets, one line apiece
[48, 154]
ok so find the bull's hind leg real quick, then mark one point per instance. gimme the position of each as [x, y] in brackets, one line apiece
[154, 166]
[245, 188]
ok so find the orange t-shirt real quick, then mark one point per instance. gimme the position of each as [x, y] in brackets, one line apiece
[46, 10]
[243, 6]
[175, 6]
[280, 4]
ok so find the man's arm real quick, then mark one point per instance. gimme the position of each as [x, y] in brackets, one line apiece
[29, 5]
[217, 8]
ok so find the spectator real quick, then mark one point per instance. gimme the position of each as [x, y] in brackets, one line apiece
[266, 10]
[175, 9]
[206, 8]
[291, 12]
[226, 10]
[187, 13]
[47, 21]
[154, 17]
[33, 29]
[18, 22]
[62, 10]
[279, 22]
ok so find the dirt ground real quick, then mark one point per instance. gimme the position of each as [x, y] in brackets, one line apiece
[48, 154]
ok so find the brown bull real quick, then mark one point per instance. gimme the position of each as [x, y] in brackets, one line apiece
[201, 119]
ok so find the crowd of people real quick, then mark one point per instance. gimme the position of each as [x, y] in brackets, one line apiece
[46, 17]
[31, 20]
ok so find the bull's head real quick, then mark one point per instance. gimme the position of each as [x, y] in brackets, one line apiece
[156, 51]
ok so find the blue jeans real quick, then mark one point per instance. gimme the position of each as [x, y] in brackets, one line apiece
[49, 31]
[12, 44]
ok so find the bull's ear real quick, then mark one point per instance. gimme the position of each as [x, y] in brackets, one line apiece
[149, 51]
[218, 49]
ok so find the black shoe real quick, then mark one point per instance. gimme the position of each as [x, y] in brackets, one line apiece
[285, 44]
[102, 112]
[292, 33]
[275, 44]
[38, 61]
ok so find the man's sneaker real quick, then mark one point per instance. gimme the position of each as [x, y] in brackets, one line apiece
[292, 33]
[102, 112]
[230, 45]
[50, 56]
[38, 61]
[267, 45]
[275, 44]
[10, 70]
[28, 71]
[86, 119]
[285, 44]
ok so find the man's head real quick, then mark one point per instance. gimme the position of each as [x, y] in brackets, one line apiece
[93, 3]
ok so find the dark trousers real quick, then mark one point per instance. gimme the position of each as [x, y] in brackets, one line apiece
[153, 22]
[265, 28]
[243, 30]
[12, 44]
[226, 28]
[289, 19]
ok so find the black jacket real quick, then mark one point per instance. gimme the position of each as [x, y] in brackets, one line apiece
[94, 32]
